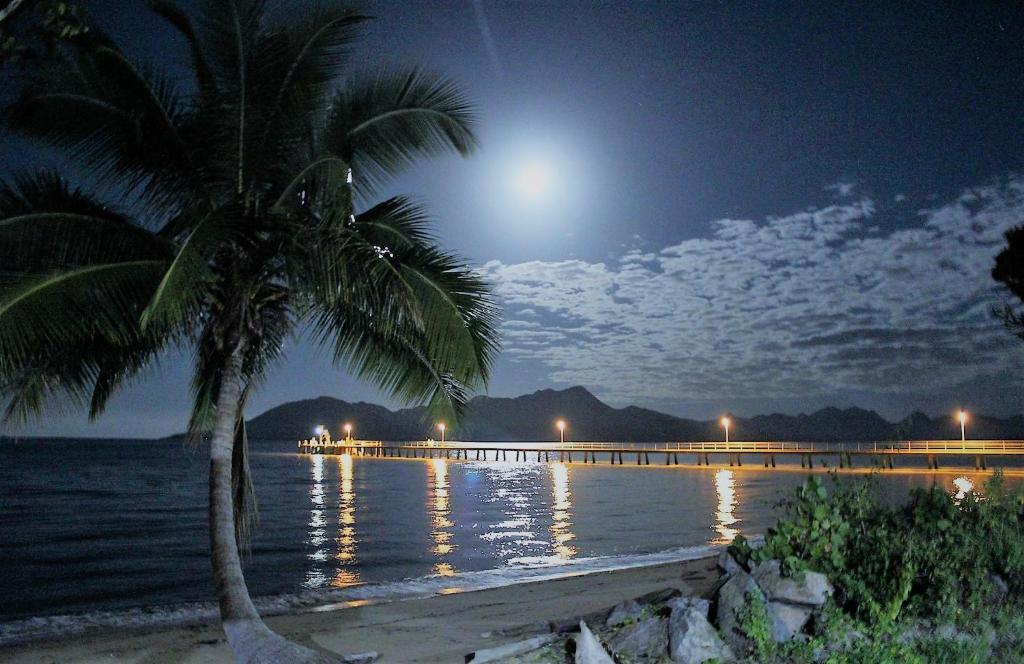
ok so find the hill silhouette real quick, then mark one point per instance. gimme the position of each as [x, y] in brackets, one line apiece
[532, 416]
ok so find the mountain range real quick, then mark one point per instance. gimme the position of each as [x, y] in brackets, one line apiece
[532, 417]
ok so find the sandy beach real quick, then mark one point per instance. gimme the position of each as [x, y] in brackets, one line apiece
[442, 628]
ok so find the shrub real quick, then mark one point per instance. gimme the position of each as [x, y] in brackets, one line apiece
[932, 558]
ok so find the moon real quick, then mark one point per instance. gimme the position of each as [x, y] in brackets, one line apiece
[534, 180]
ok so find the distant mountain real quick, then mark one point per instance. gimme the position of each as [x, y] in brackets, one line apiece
[532, 417]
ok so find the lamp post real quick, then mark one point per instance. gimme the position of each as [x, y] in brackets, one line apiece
[561, 431]
[963, 426]
[348, 431]
[440, 425]
[726, 421]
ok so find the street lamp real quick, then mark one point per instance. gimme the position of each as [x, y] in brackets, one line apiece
[440, 425]
[726, 421]
[561, 431]
[963, 425]
[348, 431]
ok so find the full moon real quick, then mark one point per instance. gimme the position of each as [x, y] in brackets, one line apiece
[533, 180]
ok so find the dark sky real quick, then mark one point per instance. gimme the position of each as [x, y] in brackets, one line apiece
[700, 207]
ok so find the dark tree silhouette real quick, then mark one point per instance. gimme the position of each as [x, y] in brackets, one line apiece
[1009, 270]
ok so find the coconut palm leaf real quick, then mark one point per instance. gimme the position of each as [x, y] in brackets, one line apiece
[384, 123]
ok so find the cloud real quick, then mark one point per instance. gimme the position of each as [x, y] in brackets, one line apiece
[802, 306]
[841, 189]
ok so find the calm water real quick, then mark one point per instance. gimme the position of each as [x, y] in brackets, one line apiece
[93, 525]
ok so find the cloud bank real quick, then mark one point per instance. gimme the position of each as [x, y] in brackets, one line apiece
[846, 299]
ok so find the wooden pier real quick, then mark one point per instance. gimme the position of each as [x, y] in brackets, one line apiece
[872, 454]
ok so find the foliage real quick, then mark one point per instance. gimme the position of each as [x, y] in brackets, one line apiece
[226, 220]
[755, 623]
[30, 31]
[899, 570]
[1009, 271]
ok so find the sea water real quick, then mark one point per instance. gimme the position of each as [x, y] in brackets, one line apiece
[115, 532]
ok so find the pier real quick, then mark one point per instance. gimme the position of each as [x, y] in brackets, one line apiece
[881, 454]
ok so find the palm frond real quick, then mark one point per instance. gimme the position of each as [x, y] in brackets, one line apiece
[293, 69]
[427, 329]
[230, 30]
[186, 282]
[383, 124]
[119, 122]
[45, 225]
[180, 21]
[56, 328]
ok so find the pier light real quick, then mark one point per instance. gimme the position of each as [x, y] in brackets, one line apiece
[318, 430]
[962, 416]
[441, 427]
[561, 430]
[348, 431]
[726, 422]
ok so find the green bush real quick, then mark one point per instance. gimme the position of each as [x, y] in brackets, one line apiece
[931, 559]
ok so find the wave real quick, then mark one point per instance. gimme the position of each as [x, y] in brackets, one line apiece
[193, 613]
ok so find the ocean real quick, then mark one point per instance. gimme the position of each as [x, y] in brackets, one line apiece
[119, 528]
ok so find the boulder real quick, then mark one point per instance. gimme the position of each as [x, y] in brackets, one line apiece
[788, 620]
[728, 564]
[807, 588]
[733, 598]
[623, 611]
[589, 650]
[692, 639]
[643, 640]
[683, 603]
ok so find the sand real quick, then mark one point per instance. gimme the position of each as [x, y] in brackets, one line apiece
[442, 628]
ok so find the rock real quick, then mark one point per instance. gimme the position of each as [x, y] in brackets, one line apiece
[502, 652]
[623, 611]
[807, 588]
[733, 598]
[361, 658]
[728, 564]
[691, 637]
[646, 639]
[788, 620]
[683, 603]
[589, 650]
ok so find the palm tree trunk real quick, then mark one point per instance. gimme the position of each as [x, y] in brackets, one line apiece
[250, 639]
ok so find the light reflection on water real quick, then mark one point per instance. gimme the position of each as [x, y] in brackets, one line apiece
[316, 577]
[346, 573]
[561, 512]
[513, 514]
[441, 524]
[963, 486]
[725, 517]
[128, 527]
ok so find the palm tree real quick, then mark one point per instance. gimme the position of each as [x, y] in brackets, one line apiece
[234, 228]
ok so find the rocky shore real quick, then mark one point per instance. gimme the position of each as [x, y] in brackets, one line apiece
[668, 626]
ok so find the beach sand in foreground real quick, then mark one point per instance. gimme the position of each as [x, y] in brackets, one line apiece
[443, 628]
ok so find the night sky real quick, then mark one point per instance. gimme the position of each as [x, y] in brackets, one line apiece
[699, 207]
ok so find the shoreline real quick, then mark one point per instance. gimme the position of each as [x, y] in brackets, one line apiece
[443, 626]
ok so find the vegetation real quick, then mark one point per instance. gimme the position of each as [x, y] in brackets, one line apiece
[939, 579]
[1009, 270]
[223, 217]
